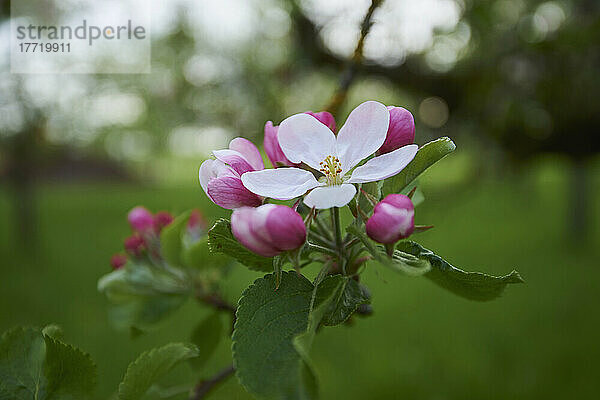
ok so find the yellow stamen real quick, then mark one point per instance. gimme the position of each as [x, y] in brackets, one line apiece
[332, 168]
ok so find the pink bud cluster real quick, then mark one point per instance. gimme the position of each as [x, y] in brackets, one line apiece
[146, 228]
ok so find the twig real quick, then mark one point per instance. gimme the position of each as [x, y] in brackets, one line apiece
[352, 64]
[205, 386]
[216, 301]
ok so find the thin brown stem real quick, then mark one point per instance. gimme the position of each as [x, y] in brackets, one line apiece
[352, 64]
[204, 387]
[216, 301]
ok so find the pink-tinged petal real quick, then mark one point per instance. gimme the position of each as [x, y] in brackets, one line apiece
[234, 159]
[393, 219]
[401, 131]
[280, 183]
[325, 117]
[244, 226]
[330, 196]
[249, 151]
[117, 261]
[286, 228]
[304, 139]
[140, 219]
[269, 229]
[272, 147]
[363, 133]
[213, 169]
[384, 166]
[229, 192]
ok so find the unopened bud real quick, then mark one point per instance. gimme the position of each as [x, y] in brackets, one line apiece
[134, 245]
[393, 219]
[162, 219]
[268, 230]
[401, 131]
[118, 260]
[140, 219]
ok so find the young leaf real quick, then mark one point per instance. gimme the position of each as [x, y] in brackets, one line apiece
[71, 373]
[141, 295]
[428, 154]
[22, 354]
[266, 360]
[348, 295]
[36, 366]
[171, 247]
[400, 262]
[470, 285]
[151, 366]
[221, 240]
[206, 336]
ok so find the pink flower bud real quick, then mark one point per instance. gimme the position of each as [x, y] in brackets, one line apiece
[401, 131]
[271, 143]
[162, 219]
[269, 229]
[134, 245]
[325, 118]
[393, 219]
[118, 260]
[221, 180]
[196, 221]
[140, 219]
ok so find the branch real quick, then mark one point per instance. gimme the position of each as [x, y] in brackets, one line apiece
[216, 301]
[351, 65]
[205, 386]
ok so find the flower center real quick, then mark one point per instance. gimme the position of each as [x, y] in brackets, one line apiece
[332, 168]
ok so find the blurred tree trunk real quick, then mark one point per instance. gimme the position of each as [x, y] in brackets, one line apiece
[21, 177]
[579, 200]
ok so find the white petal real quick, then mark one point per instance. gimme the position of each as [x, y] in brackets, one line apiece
[206, 173]
[280, 183]
[363, 133]
[304, 139]
[249, 151]
[330, 196]
[384, 166]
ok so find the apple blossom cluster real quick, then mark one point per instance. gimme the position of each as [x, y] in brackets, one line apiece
[146, 229]
[319, 166]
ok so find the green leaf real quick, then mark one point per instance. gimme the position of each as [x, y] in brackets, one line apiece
[22, 354]
[71, 373]
[206, 336]
[152, 365]
[267, 362]
[470, 285]
[171, 237]
[141, 295]
[347, 296]
[400, 261]
[221, 240]
[428, 154]
[36, 366]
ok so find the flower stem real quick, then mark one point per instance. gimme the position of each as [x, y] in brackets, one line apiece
[335, 214]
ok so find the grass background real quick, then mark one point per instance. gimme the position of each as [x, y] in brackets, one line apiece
[540, 340]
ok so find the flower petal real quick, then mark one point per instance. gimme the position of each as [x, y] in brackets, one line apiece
[245, 225]
[280, 183]
[213, 169]
[234, 159]
[330, 196]
[249, 151]
[228, 192]
[384, 166]
[363, 133]
[304, 139]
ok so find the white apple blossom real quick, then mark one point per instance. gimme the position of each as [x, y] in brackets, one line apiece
[304, 139]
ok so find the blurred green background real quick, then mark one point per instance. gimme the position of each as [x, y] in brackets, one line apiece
[513, 82]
